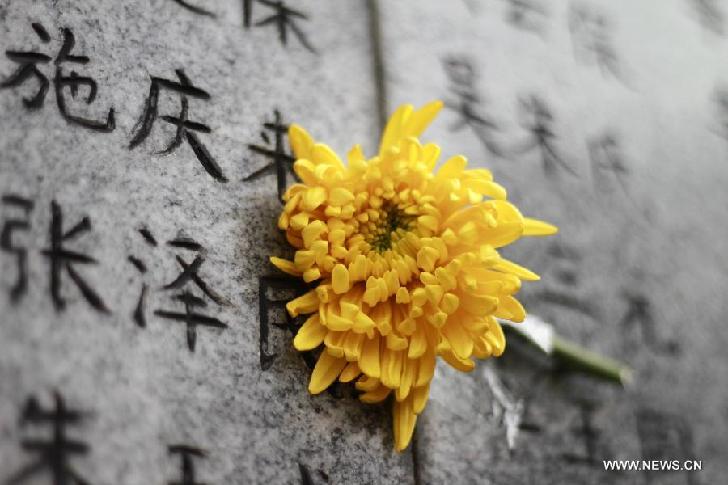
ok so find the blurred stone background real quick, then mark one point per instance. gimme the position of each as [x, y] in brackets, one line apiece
[131, 280]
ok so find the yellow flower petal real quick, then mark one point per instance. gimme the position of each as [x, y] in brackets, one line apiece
[350, 372]
[463, 365]
[367, 384]
[460, 342]
[353, 344]
[313, 198]
[426, 371]
[404, 423]
[534, 227]
[340, 279]
[323, 154]
[369, 362]
[307, 303]
[409, 371]
[285, 266]
[310, 335]
[340, 196]
[510, 307]
[406, 262]
[419, 398]
[312, 232]
[376, 396]
[301, 141]
[391, 367]
[453, 167]
[422, 118]
[393, 130]
[325, 372]
[511, 267]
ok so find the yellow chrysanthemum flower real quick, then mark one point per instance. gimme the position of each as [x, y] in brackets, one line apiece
[407, 263]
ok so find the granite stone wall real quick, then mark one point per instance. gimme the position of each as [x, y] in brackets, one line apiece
[142, 154]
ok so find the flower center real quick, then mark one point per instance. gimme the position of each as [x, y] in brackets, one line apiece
[387, 229]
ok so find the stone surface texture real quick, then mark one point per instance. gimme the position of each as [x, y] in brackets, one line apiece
[632, 97]
[637, 271]
[144, 389]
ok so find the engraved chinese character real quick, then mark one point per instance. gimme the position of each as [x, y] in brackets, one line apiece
[665, 436]
[188, 455]
[466, 102]
[268, 302]
[13, 226]
[61, 259]
[271, 299]
[591, 38]
[562, 268]
[185, 129]
[280, 159]
[538, 123]
[640, 313]
[54, 454]
[193, 8]
[191, 317]
[588, 434]
[283, 18]
[607, 161]
[140, 313]
[526, 14]
[28, 67]
[185, 285]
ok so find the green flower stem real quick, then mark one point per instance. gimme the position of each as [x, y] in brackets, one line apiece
[581, 359]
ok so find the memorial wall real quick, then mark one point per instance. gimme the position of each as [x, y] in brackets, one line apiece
[144, 152]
